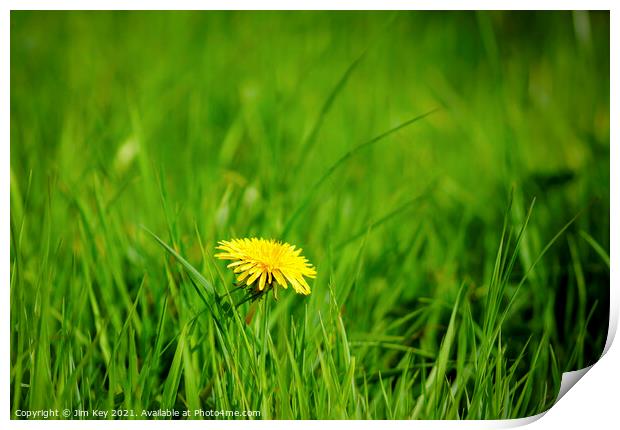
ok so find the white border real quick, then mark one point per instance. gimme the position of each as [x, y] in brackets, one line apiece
[593, 401]
[310, 5]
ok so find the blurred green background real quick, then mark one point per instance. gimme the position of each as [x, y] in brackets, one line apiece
[204, 126]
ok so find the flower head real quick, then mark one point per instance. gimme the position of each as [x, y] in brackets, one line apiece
[263, 264]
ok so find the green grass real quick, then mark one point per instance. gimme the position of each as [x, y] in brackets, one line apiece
[447, 174]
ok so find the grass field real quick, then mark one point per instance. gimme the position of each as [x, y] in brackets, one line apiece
[446, 173]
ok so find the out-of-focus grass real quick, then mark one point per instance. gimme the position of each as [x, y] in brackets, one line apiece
[432, 300]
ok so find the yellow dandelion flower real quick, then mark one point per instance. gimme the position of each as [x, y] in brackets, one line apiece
[264, 264]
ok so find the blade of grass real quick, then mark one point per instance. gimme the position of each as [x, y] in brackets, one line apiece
[310, 140]
[439, 369]
[596, 246]
[385, 218]
[307, 198]
[192, 271]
